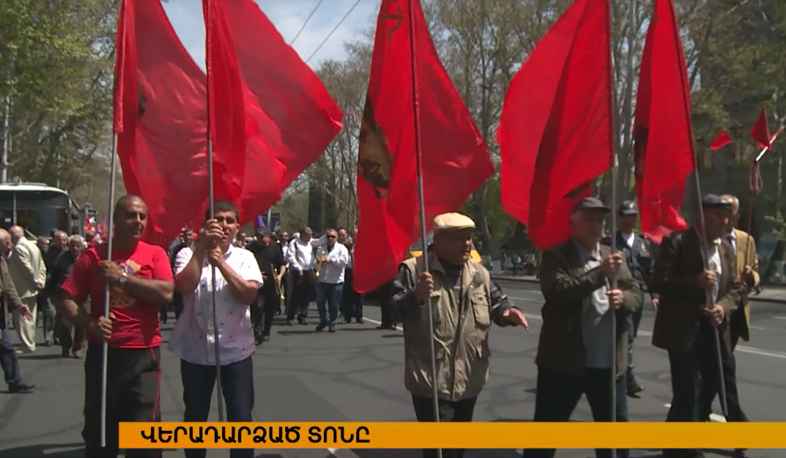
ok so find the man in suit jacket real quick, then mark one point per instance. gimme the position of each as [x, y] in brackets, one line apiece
[10, 304]
[574, 351]
[28, 272]
[694, 302]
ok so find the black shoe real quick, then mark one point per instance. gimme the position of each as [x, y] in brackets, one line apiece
[21, 388]
[266, 337]
[301, 320]
[359, 320]
[633, 386]
[392, 327]
[321, 327]
[290, 323]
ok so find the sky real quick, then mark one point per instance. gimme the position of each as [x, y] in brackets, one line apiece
[288, 16]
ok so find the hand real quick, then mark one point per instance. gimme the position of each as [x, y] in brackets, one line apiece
[25, 312]
[39, 285]
[716, 314]
[424, 287]
[616, 299]
[211, 234]
[215, 256]
[103, 326]
[655, 304]
[516, 317]
[708, 279]
[611, 264]
[110, 273]
[747, 274]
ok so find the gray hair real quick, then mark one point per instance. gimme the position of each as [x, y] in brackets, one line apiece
[76, 238]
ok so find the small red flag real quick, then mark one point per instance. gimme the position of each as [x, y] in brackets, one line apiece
[556, 133]
[720, 141]
[761, 130]
[160, 119]
[455, 161]
[663, 134]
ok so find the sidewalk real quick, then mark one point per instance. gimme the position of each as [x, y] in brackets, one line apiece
[775, 294]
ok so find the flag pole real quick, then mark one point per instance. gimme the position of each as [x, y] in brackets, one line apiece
[422, 200]
[212, 203]
[612, 108]
[109, 244]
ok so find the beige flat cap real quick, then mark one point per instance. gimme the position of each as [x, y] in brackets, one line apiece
[452, 221]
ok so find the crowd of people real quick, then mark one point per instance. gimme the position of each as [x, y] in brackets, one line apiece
[698, 288]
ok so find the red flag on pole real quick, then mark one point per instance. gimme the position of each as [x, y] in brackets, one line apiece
[296, 116]
[663, 134]
[235, 131]
[761, 130]
[160, 120]
[556, 133]
[455, 161]
[720, 141]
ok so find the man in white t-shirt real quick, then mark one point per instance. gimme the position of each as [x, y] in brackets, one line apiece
[333, 258]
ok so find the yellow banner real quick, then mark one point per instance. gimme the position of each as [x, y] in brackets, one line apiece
[502, 435]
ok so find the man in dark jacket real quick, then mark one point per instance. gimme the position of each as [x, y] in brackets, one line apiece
[577, 344]
[11, 302]
[61, 269]
[695, 303]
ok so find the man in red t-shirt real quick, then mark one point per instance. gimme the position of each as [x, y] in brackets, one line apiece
[141, 281]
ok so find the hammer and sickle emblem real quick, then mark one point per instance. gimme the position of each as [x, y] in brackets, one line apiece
[397, 15]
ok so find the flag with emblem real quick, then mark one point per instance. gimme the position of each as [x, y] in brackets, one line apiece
[663, 134]
[454, 160]
[556, 132]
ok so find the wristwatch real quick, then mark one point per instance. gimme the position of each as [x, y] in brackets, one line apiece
[123, 278]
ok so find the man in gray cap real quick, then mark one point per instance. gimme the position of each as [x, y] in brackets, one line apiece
[464, 301]
[638, 251]
[576, 339]
[695, 302]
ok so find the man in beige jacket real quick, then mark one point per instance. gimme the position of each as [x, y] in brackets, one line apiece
[28, 272]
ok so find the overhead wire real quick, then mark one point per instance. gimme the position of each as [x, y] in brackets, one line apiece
[333, 31]
[306, 23]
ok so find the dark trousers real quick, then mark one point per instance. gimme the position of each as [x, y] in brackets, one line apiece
[384, 307]
[459, 411]
[177, 303]
[303, 290]
[263, 311]
[328, 294]
[133, 393]
[693, 373]
[729, 362]
[632, 322]
[559, 393]
[64, 330]
[8, 360]
[351, 300]
[237, 383]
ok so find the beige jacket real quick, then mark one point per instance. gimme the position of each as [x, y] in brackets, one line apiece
[26, 266]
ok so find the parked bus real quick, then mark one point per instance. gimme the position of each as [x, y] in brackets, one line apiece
[38, 208]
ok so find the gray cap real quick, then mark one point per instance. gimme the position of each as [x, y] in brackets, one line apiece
[627, 208]
[715, 201]
[590, 203]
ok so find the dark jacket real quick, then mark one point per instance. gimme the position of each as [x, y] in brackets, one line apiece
[640, 258]
[567, 289]
[10, 298]
[676, 279]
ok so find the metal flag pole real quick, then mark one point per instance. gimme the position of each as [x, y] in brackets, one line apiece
[109, 246]
[212, 203]
[422, 202]
[710, 293]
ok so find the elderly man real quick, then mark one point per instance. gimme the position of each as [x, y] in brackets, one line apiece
[575, 353]
[301, 263]
[61, 270]
[695, 303]
[28, 272]
[10, 303]
[463, 301]
[140, 281]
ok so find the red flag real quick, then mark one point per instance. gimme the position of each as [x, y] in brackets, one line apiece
[235, 133]
[556, 133]
[160, 102]
[720, 141]
[663, 134]
[296, 116]
[455, 161]
[761, 130]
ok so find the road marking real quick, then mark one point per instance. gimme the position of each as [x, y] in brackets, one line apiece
[713, 416]
[342, 453]
[779, 317]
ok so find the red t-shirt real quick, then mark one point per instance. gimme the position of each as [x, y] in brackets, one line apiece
[136, 322]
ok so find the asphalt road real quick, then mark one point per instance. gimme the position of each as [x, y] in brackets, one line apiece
[356, 375]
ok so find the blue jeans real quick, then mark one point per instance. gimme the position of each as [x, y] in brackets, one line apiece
[8, 361]
[329, 293]
[237, 383]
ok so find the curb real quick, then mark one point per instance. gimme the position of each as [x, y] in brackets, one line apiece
[534, 281]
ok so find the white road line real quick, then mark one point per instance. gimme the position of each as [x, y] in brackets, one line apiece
[713, 416]
[779, 317]
[342, 453]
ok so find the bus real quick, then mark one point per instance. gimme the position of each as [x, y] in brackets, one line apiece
[37, 208]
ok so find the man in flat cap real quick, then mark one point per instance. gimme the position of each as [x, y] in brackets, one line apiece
[577, 344]
[695, 302]
[463, 301]
[638, 252]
